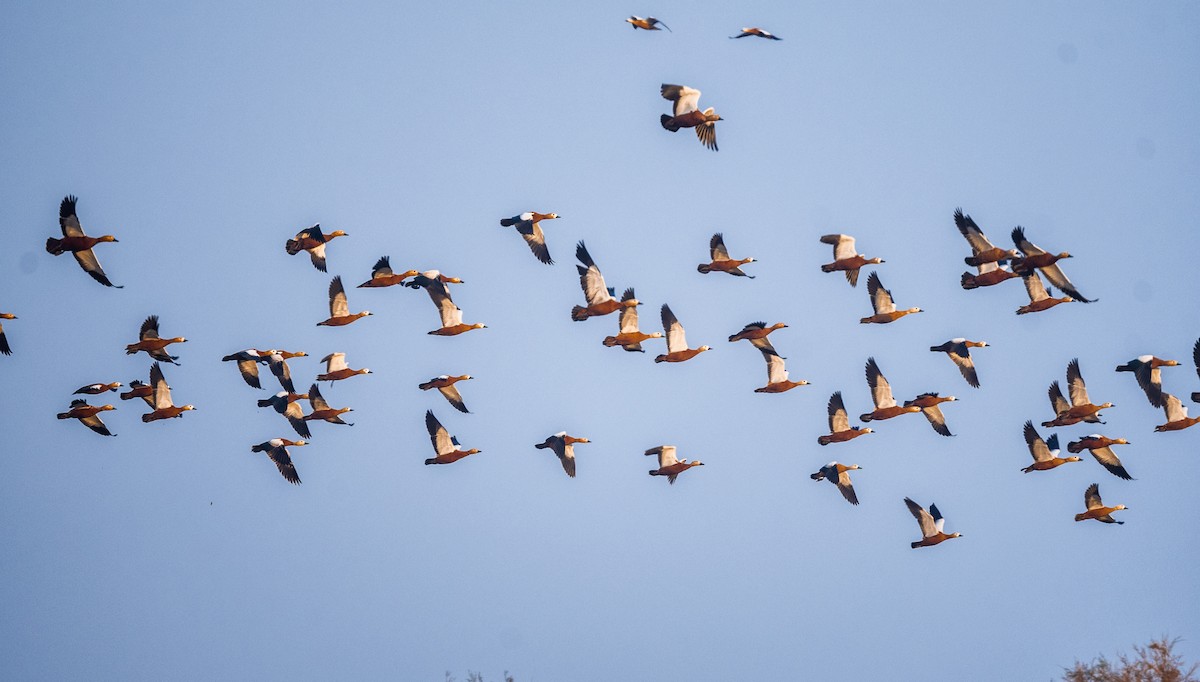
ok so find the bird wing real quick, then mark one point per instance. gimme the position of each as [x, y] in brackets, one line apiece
[93, 422]
[1091, 497]
[924, 519]
[881, 390]
[1037, 446]
[162, 392]
[666, 455]
[1075, 386]
[149, 328]
[707, 132]
[383, 268]
[846, 488]
[1057, 402]
[283, 462]
[1034, 287]
[1149, 378]
[338, 305]
[317, 255]
[838, 419]
[442, 442]
[594, 288]
[1196, 356]
[1109, 460]
[961, 355]
[1056, 277]
[674, 331]
[452, 395]
[67, 220]
[566, 455]
[686, 99]
[776, 372]
[536, 239]
[440, 295]
[91, 265]
[315, 399]
[1174, 408]
[1027, 247]
[881, 299]
[4, 348]
[249, 370]
[975, 237]
[334, 362]
[627, 320]
[280, 369]
[843, 245]
[938, 521]
[936, 419]
[716, 247]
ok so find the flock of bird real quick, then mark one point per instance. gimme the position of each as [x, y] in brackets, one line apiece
[993, 266]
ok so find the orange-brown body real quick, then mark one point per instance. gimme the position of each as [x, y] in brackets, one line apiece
[151, 345]
[342, 320]
[842, 436]
[885, 318]
[674, 469]
[84, 411]
[1049, 464]
[888, 413]
[852, 263]
[74, 244]
[451, 457]
[934, 540]
[338, 375]
[1094, 443]
[761, 333]
[780, 386]
[165, 413]
[440, 383]
[987, 279]
[456, 329]
[1028, 264]
[1177, 425]
[1098, 512]
[991, 255]
[1044, 304]
[723, 265]
[679, 356]
[628, 339]
[580, 313]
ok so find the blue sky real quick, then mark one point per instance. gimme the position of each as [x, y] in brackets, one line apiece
[203, 136]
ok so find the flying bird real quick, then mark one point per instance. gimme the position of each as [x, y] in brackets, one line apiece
[4, 347]
[846, 257]
[839, 475]
[150, 342]
[629, 337]
[882, 302]
[668, 464]
[79, 244]
[756, 333]
[277, 362]
[313, 240]
[1146, 369]
[88, 415]
[445, 446]
[449, 313]
[1039, 299]
[97, 389]
[336, 368]
[959, 351]
[840, 430]
[881, 395]
[285, 403]
[247, 363]
[1101, 449]
[1038, 259]
[758, 33]
[1080, 407]
[1044, 453]
[600, 297]
[321, 411]
[687, 114]
[983, 251]
[164, 408]
[1177, 418]
[383, 276]
[646, 24]
[564, 447]
[339, 306]
[928, 404]
[931, 523]
[1095, 507]
[677, 347]
[529, 227]
[276, 449]
[138, 389]
[445, 385]
[721, 262]
[777, 375]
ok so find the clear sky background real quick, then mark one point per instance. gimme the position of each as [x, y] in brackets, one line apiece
[204, 135]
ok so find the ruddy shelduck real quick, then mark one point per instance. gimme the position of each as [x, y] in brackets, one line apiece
[1177, 418]
[687, 114]
[313, 240]
[277, 361]
[445, 385]
[881, 395]
[449, 313]
[88, 415]
[928, 404]
[150, 342]
[382, 275]
[97, 389]
[983, 251]
[756, 333]
[629, 337]
[757, 33]
[529, 227]
[677, 346]
[563, 447]
[1146, 369]
[646, 23]
[1038, 259]
[959, 351]
[1095, 507]
[931, 523]
[339, 306]
[445, 446]
[839, 475]
[668, 464]
[164, 408]
[286, 404]
[599, 296]
[1080, 407]
[883, 303]
[1044, 453]
[321, 411]
[777, 375]
[276, 449]
[336, 368]
[247, 363]
[720, 260]
[1101, 449]
[4, 347]
[138, 389]
[846, 257]
[840, 430]
[79, 244]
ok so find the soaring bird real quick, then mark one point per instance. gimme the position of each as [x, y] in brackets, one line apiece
[677, 347]
[1095, 507]
[247, 363]
[445, 385]
[758, 33]
[881, 395]
[4, 347]
[600, 297]
[777, 375]
[88, 415]
[285, 403]
[164, 408]
[1146, 369]
[339, 306]
[445, 446]
[529, 227]
[97, 389]
[564, 447]
[383, 276]
[687, 114]
[1038, 259]
[883, 304]
[450, 314]
[931, 523]
[668, 464]
[322, 411]
[982, 249]
[276, 449]
[1080, 407]
[313, 240]
[756, 333]
[629, 337]
[839, 475]
[150, 342]
[277, 361]
[1039, 298]
[1101, 449]
[846, 257]
[79, 244]
[336, 368]
[721, 262]
[646, 23]
[928, 402]
[959, 351]
[840, 430]
[1177, 417]
[1045, 453]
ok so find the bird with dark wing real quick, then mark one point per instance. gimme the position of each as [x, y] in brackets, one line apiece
[79, 244]
[313, 240]
[154, 345]
[528, 225]
[686, 114]
[720, 260]
[276, 449]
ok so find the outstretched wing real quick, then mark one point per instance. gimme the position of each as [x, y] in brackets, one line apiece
[881, 390]
[881, 299]
[924, 518]
[674, 331]
[686, 99]
[716, 247]
[838, 419]
[338, 305]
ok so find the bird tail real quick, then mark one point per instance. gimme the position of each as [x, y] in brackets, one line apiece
[264, 403]
[541, 446]
[817, 476]
[703, 268]
[579, 313]
[292, 246]
[865, 417]
[668, 122]
[508, 222]
[914, 545]
[968, 281]
[1081, 517]
[823, 440]
[972, 261]
[431, 460]
[609, 341]
[147, 418]
[259, 448]
[828, 267]
[54, 246]
[661, 358]
[1027, 469]
[64, 415]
